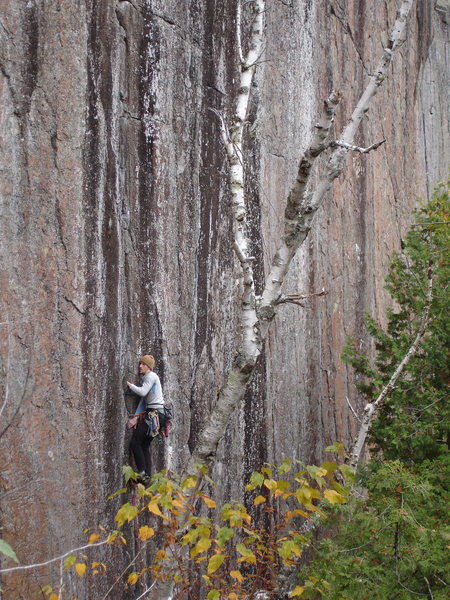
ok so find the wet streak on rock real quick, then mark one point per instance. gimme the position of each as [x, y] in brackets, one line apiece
[30, 66]
[212, 179]
[254, 413]
[148, 212]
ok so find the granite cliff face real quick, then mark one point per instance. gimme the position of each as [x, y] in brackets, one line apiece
[115, 237]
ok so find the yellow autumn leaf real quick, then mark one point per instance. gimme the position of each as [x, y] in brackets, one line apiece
[215, 563]
[97, 566]
[290, 514]
[297, 591]
[270, 484]
[178, 503]
[201, 559]
[259, 500]
[202, 545]
[93, 538]
[127, 512]
[237, 575]
[133, 578]
[232, 596]
[53, 597]
[189, 483]
[154, 508]
[145, 533]
[334, 497]
[80, 568]
[210, 503]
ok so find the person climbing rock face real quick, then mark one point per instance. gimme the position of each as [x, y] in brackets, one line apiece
[151, 400]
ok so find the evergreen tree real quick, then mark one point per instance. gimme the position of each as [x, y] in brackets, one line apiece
[391, 541]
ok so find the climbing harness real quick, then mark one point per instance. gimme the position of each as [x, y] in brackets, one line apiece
[152, 422]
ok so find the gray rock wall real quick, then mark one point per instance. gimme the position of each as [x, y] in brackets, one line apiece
[115, 238]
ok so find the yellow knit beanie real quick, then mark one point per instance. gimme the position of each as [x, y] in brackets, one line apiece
[148, 360]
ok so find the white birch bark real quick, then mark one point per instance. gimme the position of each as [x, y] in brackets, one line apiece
[371, 408]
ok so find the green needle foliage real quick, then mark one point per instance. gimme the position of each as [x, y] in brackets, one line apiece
[392, 544]
[391, 540]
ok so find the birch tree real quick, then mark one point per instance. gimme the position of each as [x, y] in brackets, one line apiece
[257, 313]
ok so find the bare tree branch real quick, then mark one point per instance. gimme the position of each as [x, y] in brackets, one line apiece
[297, 298]
[353, 410]
[371, 408]
[55, 559]
[338, 143]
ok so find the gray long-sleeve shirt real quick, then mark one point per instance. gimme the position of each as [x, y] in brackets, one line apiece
[150, 385]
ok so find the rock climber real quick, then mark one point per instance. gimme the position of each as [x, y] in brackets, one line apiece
[151, 399]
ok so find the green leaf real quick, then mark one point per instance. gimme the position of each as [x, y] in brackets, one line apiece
[246, 554]
[128, 473]
[127, 512]
[190, 536]
[289, 548]
[69, 561]
[215, 563]
[6, 549]
[223, 535]
[213, 595]
[256, 480]
[117, 493]
[285, 467]
[337, 447]
[297, 591]
[348, 473]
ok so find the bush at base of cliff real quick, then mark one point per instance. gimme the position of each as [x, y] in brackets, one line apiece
[394, 543]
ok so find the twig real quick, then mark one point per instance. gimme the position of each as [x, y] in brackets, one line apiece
[353, 410]
[336, 143]
[126, 569]
[430, 223]
[429, 588]
[52, 560]
[296, 298]
[145, 591]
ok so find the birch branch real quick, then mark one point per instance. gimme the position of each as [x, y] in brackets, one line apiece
[297, 298]
[56, 559]
[371, 408]
[233, 139]
[338, 143]
[298, 220]
[353, 410]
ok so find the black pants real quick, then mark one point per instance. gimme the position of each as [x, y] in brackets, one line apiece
[140, 444]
